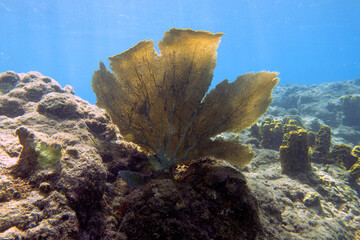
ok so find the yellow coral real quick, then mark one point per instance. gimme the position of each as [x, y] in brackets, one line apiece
[356, 151]
[273, 131]
[158, 102]
[341, 156]
[294, 156]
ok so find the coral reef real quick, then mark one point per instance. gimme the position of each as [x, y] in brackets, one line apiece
[342, 156]
[53, 154]
[11, 107]
[272, 131]
[38, 216]
[48, 154]
[294, 156]
[356, 151]
[322, 146]
[316, 206]
[331, 104]
[8, 80]
[27, 162]
[60, 172]
[82, 195]
[159, 102]
[351, 109]
[355, 168]
[207, 199]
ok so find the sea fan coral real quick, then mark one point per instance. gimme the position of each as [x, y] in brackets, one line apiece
[157, 100]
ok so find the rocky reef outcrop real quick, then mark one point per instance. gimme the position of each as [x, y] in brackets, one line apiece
[333, 104]
[46, 143]
[60, 158]
[320, 204]
[66, 173]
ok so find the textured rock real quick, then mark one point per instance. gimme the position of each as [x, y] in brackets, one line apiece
[346, 134]
[351, 109]
[332, 104]
[208, 199]
[27, 162]
[70, 151]
[8, 81]
[49, 217]
[79, 194]
[60, 105]
[11, 107]
[308, 207]
[29, 214]
[42, 154]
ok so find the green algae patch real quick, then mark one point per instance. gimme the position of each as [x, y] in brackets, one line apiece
[48, 154]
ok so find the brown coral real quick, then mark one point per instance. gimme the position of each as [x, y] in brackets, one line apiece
[158, 102]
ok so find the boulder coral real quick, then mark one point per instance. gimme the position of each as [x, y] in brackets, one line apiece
[158, 101]
[52, 176]
[8, 81]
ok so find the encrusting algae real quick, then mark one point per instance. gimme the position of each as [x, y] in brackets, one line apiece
[158, 101]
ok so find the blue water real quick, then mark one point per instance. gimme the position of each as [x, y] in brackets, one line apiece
[308, 42]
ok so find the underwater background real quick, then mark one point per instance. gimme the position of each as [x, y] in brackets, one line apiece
[250, 160]
[308, 42]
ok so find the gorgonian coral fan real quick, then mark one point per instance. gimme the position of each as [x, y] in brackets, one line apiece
[158, 100]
